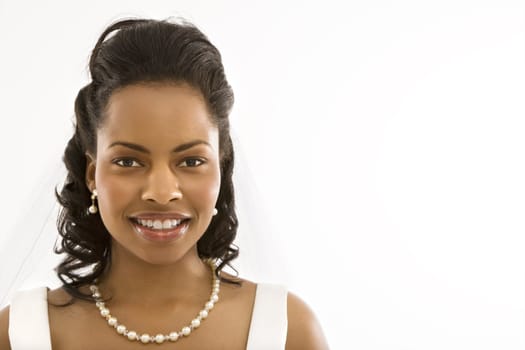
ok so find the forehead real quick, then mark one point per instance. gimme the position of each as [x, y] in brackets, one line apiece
[151, 95]
[157, 114]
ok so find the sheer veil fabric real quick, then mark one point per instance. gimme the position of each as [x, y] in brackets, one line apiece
[26, 252]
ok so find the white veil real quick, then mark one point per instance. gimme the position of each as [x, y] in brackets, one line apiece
[27, 259]
[26, 252]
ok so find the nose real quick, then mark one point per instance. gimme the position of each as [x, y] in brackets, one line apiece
[162, 186]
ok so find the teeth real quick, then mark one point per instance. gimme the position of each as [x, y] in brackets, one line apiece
[158, 224]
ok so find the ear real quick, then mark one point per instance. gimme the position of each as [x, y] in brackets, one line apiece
[90, 172]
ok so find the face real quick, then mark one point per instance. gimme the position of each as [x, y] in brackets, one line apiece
[156, 171]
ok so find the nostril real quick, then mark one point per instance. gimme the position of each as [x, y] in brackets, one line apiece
[160, 195]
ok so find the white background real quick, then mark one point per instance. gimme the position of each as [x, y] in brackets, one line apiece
[382, 142]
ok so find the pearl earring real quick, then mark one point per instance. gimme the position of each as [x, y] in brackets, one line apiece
[93, 208]
[215, 211]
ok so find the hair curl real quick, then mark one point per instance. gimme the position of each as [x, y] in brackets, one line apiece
[141, 51]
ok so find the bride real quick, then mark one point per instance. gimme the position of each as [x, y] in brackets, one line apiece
[148, 213]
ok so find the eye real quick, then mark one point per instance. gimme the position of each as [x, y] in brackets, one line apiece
[192, 162]
[127, 163]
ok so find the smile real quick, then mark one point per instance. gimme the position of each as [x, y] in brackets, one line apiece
[160, 230]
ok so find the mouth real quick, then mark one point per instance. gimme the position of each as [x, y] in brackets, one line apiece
[160, 230]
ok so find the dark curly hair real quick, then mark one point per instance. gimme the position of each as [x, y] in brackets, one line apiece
[134, 51]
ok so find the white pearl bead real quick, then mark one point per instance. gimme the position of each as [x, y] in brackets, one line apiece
[186, 331]
[96, 295]
[195, 323]
[159, 338]
[174, 336]
[121, 329]
[215, 290]
[100, 304]
[145, 338]
[112, 321]
[104, 312]
[93, 288]
[132, 335]
[208, 306]
[215, 298]
[203, 314]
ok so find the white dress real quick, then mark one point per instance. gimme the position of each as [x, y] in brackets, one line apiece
[29, 322]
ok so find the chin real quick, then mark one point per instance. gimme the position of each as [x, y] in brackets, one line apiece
[161, 259]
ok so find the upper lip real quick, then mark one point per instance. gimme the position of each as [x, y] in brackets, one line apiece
[160, 216]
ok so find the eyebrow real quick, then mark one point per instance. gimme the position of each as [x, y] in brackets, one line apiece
[143, 149]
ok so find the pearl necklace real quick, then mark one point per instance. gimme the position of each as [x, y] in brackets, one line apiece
[159, 338]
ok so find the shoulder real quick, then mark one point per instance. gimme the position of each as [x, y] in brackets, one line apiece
[240, 286]
[4, 329]
[59, 296]
[239, 296]
[304, 330]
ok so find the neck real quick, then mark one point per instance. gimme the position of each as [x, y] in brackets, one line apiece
[132, 280]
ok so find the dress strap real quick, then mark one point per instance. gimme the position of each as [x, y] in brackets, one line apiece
[269, 324]
[29, 320]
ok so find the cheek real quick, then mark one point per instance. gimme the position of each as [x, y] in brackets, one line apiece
[205, 191]
[114, 193]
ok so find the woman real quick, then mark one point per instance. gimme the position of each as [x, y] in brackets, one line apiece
[148, 218]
